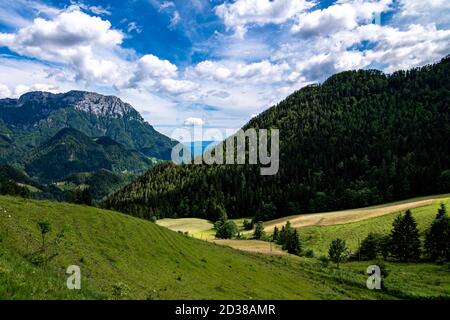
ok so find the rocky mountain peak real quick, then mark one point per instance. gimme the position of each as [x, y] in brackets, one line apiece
[89, 102]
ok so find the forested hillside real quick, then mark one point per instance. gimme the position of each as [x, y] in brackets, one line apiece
[360, 138]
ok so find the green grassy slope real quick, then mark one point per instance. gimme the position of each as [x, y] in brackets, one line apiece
[148, 261]
[319, 238]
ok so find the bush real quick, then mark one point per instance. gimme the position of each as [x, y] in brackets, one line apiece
[324, 261]
[309, 253]
[259, 230]
[248, 224]
[225, 229]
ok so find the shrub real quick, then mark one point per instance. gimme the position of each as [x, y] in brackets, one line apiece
[324, 261]
[248, 224]
[309, 253]
[225, 229]
[259, 230]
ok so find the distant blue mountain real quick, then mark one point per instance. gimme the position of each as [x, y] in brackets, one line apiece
[199, 147]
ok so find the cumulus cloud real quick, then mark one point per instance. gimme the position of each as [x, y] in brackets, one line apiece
[191, 121]
[4, 91]
[257, 72]
[73, 37]
[239, 15]
[424, 12]
[150, 67]
[344, 15]
[177, 87]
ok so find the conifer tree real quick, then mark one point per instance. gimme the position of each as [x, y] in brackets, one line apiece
[437, 239]
[405, 241]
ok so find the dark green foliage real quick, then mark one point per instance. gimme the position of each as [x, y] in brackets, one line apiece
[259, 230]
[292, 244]
[276, 234]
[71, 151]
[225, 229]
[444, 181]
[216, 212]
[101, 183]
[289, 240]
[44, 228]
[248, 224]
[405, 241]
[324, 261]
[369, 247]
[80, 196]
[384, 246]
[309, 253]
[437, 239]
[338, 251]
[8, 187]
[360, 138]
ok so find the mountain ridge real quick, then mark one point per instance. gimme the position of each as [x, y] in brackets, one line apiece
[361, 138]
[37, 116]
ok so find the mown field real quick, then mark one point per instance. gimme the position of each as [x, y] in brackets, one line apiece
[318, 238]
[122, 257]
[352, 215]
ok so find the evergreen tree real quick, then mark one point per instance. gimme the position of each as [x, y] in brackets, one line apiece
[292, 244]
[259, 230]
[437, 239]
[384, 246]
[276, 234]
[369, 247]
[405, 241]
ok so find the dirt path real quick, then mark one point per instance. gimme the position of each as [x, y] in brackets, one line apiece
[257, 246]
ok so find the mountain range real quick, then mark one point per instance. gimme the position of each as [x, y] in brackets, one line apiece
[53, 136]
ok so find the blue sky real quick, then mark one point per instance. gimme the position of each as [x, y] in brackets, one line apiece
[210, 62]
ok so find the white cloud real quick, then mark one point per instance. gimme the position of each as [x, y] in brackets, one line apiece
[4, 91]
[176, 18]
[212, 70]
[232, 71]
[239, 15]
[21, 88]
[84, 42]
[133, 26]
[166, 4]
[150, 67]
[424, 12]
[191, 121]
[177, 87]
[340, 16]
